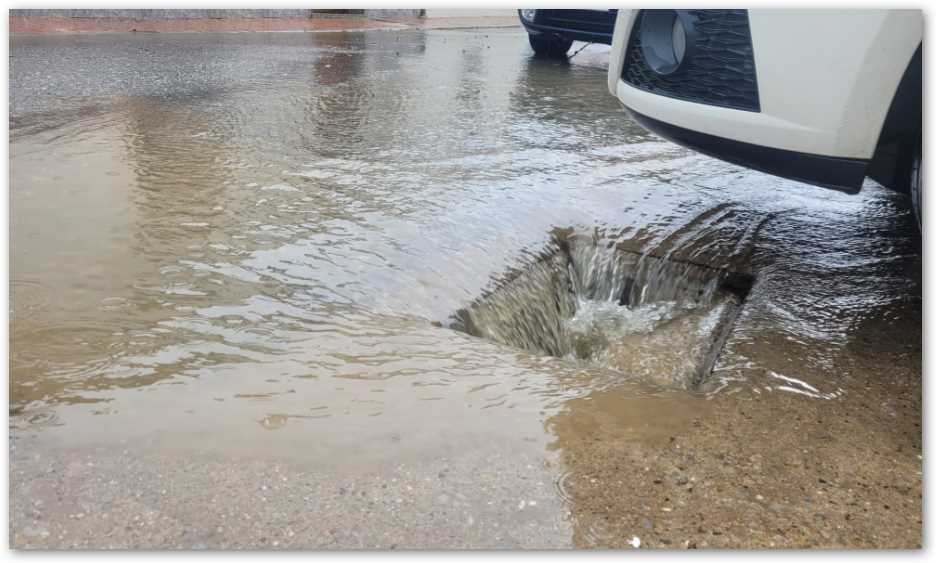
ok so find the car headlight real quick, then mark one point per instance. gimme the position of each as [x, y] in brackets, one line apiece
[665, 39]
[528, 15]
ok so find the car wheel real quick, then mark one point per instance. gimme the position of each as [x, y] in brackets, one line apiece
[916, 183]
[546, 45]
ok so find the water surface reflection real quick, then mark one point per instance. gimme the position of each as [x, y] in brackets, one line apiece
[257, 235]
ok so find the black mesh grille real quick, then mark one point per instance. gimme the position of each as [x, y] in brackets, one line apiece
[720, 71]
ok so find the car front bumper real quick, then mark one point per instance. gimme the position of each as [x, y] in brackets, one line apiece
[824, 82]
[591, 26]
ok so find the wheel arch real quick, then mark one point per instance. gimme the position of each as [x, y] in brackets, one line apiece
[892, 160]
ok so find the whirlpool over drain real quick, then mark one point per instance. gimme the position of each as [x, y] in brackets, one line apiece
[651, 318]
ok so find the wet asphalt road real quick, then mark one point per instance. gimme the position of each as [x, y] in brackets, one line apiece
[231, 256]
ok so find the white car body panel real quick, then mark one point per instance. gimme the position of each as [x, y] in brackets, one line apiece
[825, 80]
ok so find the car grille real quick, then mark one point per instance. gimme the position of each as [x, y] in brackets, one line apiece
[720, 71]
[594, 21]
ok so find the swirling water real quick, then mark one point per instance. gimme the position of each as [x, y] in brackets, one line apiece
[267, 235]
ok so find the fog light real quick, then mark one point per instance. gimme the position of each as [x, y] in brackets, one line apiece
[528, 15]
[665, 39]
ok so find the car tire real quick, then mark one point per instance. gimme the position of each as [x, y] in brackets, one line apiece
[547, 45]
[916, 183]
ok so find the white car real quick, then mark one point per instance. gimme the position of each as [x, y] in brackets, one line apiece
[826, 97]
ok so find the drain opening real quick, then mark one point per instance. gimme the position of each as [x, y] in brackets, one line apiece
[652, 318]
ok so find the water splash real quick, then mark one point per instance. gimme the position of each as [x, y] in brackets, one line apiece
[588, 299]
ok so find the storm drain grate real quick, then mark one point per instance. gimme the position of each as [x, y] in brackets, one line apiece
[649, 317]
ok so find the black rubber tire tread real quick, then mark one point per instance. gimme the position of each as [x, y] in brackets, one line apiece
[916, 182]
[551, 46]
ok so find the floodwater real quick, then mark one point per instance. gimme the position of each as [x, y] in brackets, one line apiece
[255, 247]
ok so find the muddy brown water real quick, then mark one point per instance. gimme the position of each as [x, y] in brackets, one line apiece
[249, 249]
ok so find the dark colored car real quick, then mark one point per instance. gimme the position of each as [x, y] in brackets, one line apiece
[552, 31]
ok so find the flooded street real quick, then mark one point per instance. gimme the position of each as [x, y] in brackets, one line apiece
[417, 289]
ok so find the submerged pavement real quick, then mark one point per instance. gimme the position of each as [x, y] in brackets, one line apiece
[22, 22]
[235, 264]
